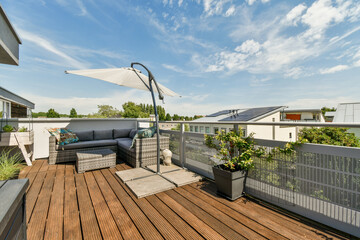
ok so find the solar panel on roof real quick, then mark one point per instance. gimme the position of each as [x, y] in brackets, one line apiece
[250, 114]
[219, 113]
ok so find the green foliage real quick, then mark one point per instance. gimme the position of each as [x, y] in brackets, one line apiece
[39, 114]
[108, 111]
[177, 128]
[51, 113]
[10, 164]
[326, 109]
[236, 151]
[176, 117]
[23, 129]
[132, 110]
[330, 136]
[8, 128]
[73, 113]
[168, 117]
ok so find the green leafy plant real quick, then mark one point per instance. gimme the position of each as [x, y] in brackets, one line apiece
[10, 164]
[329, 136]
[8, 128]
[237, 152]
[22, 129]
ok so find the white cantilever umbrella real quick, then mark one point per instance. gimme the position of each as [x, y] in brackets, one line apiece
[133, 78]
[127, 77]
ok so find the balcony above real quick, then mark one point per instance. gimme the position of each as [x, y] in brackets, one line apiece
[9, 41]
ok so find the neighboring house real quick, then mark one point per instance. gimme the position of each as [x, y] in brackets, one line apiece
[262, 114]
[14, 106]
[9, 41]
[302, 115]
[348, 113]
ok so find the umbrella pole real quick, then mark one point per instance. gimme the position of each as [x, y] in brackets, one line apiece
[157, 130]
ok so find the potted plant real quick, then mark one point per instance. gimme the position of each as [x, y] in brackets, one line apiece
[237, 153]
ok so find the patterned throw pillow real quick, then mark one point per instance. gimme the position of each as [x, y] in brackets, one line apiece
[144, 133]
[63, 136]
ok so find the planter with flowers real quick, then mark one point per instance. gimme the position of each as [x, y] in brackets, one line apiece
[237, 153]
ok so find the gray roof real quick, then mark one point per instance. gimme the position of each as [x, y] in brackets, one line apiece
[347, 112]
[12, 97]
[241, 115]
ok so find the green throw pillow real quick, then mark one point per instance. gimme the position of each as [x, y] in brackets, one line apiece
[144, 133]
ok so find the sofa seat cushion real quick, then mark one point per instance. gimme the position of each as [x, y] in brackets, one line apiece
[87, 144]
[124, 143]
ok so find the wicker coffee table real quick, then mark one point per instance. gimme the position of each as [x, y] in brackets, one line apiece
[95, 159]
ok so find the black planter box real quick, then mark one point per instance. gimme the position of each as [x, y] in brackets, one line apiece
[229, 184]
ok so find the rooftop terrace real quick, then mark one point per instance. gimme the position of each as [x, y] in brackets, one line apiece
[62, 204]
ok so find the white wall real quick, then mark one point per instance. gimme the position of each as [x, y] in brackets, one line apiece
[41, 135]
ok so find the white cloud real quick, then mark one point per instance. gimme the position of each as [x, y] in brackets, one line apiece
[249, 46]
[180, 2]
[45, 44]
[260, 82]
[251, 2]
[230, 11]
[294, 16]
[334, 69]
[319, 102]
[321, 14]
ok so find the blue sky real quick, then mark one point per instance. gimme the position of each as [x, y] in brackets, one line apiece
[217, 54]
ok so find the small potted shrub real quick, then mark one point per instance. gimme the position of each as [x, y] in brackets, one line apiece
[8, 128]
[10, 164]
[236, 152]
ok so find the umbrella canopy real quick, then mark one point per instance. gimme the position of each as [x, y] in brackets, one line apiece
[128, 77]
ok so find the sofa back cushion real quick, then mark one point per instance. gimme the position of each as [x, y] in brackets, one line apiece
[85, 135]
[132, 133]
[122, 133]
[103, 134]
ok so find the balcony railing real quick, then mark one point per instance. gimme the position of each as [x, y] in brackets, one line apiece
[321, 182]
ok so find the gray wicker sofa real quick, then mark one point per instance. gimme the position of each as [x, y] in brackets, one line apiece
[118, 140]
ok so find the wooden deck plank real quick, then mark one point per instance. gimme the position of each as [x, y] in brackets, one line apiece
[213, 222]
[72, 228]
[33, 172]
[310, 228]
[183, 228]
[89, 224]
[54, 224]
[108, 227]
[161, 224]
[125, 224]
[33, 192]
[24, 171]
[145, 227]
[206, 231]
[276, 224]
[36, 226]
[218, 209]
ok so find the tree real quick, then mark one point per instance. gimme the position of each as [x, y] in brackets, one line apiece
[73, 113]
[108, 111]
[176, 117]
[168, 117]
[330, 136]
[51, 113]
[39, 114]
[132, 110]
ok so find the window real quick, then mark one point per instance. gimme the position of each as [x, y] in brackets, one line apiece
[207, 129]
[191, 128]
[196, 129]
[201, 129]
[216, 130]
[290, 135]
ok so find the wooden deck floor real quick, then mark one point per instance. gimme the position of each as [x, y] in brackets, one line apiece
[62, 204]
